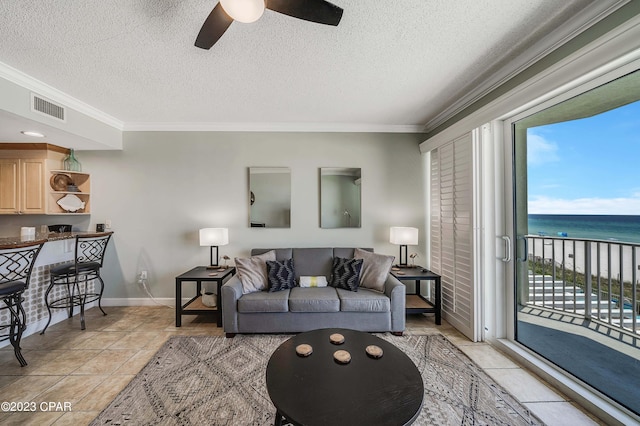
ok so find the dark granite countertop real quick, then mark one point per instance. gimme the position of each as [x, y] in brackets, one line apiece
[50, 236]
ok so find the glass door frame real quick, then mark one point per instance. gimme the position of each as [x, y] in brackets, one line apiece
[506, 123]
[606, 57]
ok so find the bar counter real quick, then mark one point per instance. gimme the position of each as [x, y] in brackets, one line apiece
[6, 242]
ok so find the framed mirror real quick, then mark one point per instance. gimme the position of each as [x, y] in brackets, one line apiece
[269, 197]
[340, 197]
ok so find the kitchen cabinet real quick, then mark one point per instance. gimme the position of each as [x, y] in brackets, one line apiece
[26, 178]
[22, 189]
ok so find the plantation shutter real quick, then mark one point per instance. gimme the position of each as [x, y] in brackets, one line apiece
[452, 231]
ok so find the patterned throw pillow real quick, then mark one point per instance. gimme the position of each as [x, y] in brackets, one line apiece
[346, 273]
[281, 275]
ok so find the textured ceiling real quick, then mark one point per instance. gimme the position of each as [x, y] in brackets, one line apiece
[388, 63]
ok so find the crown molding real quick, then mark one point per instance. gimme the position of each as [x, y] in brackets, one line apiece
[611, 56]
[26, 81]
[273, 127]
[579, 23]
[23, 80]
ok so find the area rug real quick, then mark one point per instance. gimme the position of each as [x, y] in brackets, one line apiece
[199, 380]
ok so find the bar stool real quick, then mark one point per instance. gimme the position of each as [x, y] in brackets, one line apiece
[16, 264]
[74, 278]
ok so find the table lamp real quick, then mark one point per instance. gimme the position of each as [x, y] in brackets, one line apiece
[214, 237]
[403, 236]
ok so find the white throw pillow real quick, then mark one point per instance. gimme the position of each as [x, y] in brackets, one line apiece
[375, 269]
[252, 271]
[320, 281]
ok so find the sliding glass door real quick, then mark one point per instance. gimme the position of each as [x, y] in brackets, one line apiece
[576, 228]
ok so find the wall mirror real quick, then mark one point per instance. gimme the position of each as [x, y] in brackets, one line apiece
[269, 197]
[340, 197]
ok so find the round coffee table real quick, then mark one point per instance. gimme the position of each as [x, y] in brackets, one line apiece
[317, 390]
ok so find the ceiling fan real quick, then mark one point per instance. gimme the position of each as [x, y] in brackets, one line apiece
[227, 11]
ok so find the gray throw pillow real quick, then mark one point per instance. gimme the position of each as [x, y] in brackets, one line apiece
[252, 271]
[375, 269]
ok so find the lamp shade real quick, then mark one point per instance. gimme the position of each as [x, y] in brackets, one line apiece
[245, 11]
[403, 235]
[214, 236]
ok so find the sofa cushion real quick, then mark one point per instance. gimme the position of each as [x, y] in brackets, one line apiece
[347, 252]
[281, 275]
[253, 271]
[364, 300]
[313, 261]
[346, 273]
[264, 301]
[375, 269]
[322, 299]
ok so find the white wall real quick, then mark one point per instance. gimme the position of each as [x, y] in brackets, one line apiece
[164, 186]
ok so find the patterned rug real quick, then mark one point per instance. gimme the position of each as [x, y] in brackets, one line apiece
[200, 380]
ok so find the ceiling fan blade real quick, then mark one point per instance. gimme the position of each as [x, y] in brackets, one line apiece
[214, 26]
[319, 11]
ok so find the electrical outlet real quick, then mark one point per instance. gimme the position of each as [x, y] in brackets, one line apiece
[143, 275]
[107, 223]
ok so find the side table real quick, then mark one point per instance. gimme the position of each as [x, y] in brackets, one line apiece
[416, 303]
[194, 306]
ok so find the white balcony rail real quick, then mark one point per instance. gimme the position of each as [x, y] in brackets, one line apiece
[596, 279]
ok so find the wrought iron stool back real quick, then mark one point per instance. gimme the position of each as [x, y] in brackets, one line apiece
[16, 265]
[75, 277]
[91, 248]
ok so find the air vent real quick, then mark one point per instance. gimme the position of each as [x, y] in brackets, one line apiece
[46, 107]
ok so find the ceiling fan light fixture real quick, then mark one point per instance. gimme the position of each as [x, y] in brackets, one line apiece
[245, 11]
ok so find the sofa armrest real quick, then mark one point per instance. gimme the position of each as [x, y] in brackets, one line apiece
[231, 292]
[396, 291]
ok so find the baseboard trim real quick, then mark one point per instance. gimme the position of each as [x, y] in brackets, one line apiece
[141, 301]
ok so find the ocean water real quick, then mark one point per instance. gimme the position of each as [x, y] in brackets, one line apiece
[597, 227]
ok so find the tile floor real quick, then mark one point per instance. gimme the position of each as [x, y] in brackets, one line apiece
[87, 369]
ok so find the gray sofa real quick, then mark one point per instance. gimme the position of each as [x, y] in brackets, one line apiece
[303, 309]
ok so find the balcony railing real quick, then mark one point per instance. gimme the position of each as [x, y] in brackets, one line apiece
[596, 279]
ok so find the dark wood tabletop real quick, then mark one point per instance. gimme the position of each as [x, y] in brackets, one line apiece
[206, 273]
[414, 273]
[317, 390]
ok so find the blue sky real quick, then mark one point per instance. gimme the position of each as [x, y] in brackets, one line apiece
[586, 166]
